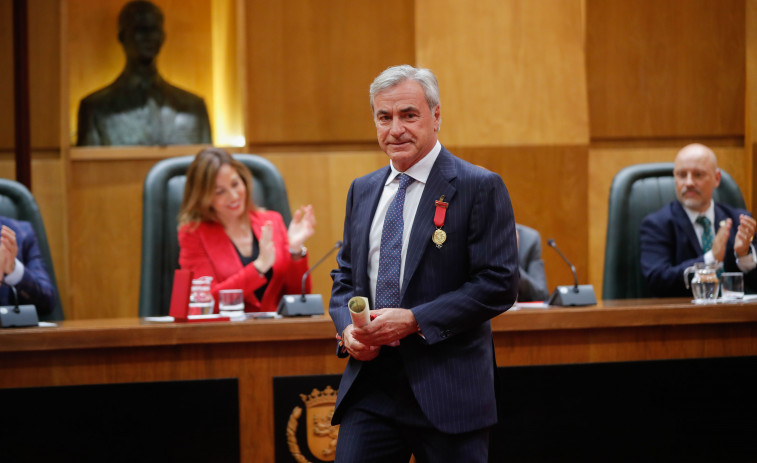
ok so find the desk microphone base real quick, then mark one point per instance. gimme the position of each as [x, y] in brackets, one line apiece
[568, 296]
[292, 305]
[26, 316]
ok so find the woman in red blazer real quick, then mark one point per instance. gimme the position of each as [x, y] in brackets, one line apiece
[222, 234]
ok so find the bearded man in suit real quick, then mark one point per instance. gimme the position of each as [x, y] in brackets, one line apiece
[430, 240]
[695, 229]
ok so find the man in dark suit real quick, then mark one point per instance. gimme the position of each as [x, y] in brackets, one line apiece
[533, 280]
[695, 229]
[420, 377]
[23, 267]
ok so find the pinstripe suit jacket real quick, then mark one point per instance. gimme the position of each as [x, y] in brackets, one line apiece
[35, 286]
[453, 291]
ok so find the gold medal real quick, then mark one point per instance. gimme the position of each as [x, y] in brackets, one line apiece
[439, 237]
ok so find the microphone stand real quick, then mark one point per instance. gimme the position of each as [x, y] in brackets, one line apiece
[18, 315]
[305, 276]
[292, 305]
[552, 244]
[578, 295]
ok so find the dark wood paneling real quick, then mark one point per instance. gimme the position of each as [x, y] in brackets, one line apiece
[310, 63]
[672, 68]
[7, 126]
[549, 192]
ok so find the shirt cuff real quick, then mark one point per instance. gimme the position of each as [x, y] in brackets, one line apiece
[16, 275]
[748, 262]
[708, 258]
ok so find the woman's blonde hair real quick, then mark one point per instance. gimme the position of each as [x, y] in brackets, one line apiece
[201, 184]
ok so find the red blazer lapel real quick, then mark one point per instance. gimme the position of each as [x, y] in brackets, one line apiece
[221, 251]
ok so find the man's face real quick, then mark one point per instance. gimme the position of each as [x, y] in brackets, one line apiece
[405, 126]
[697, 176]
[143, 37]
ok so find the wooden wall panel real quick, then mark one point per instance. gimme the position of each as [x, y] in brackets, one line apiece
[96, 57]
[7, 125]
[751, 100]
[665, 69]
[548, 189]
[510, 73]
[310, 62]
[228, 73]
[44, 73]
[605, 163]
[105, 217]
[513, 93]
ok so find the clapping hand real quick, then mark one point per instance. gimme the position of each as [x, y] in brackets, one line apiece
[8, 250]
[721, 240]
[267, 254]
[744, 235]
[302, 227]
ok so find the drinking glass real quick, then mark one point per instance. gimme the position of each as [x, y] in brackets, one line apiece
[733, 286]
[201, 300]
[231, 303]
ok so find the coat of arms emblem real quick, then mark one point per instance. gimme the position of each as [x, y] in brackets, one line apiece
[321, 434]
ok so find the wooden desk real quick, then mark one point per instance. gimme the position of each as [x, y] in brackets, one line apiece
[133, 350]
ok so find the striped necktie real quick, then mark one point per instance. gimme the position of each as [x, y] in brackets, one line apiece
[390, 254]
[706, 234]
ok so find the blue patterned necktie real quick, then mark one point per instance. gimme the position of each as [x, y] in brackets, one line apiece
[390, 257]
[706, 234]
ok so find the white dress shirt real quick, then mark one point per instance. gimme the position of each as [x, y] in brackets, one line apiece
[420, 172]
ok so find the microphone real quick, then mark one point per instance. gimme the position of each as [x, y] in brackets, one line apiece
[292, 305]
[18, 315]
[552, 244]
[578, 295]
[305, 276]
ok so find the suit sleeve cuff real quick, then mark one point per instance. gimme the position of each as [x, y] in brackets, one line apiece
[748, 262]
[16, 275]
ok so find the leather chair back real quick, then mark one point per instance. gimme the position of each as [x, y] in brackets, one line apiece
[637, 191]
[162, 196]
[17, 202]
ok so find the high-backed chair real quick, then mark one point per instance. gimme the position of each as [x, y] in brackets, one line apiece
[17, 202]
[637, 191]
[162, 195]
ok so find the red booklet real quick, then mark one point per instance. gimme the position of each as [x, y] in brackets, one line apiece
[182, 287]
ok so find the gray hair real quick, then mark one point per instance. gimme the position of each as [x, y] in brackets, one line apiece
[395, 75]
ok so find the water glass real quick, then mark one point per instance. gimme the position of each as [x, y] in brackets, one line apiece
[231, 303]
[733, 286]
[201, 300]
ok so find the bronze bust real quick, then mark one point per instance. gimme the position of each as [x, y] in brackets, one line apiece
[139, 107]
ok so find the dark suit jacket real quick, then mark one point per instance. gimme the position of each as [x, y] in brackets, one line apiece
[35, 286]
[207, 250]
[533, 280]
[669, 245]
[453, 291]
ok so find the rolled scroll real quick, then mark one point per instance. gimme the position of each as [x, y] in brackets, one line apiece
[359, 311]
